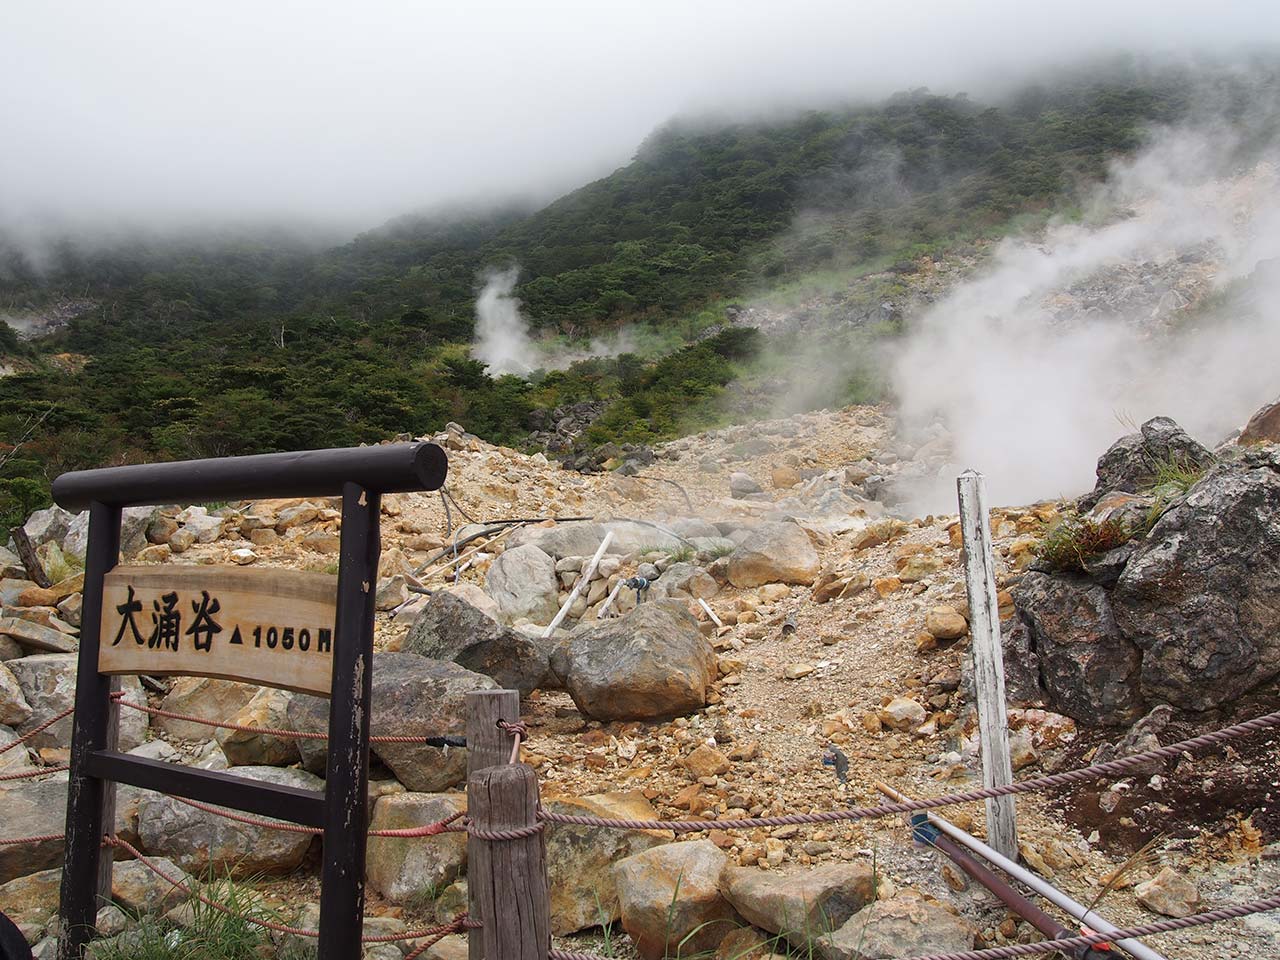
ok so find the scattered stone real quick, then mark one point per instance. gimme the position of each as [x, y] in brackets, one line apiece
[48, 683]
[1169, 893]
[200, 841]
[902, 713]
[450, 628]
[580, 859]
[774, 553]
[803, 905]
[412, 696]
[795, 671]
[243, 556]
[901, 927]
[651, 663]
[35, 636]
[946, 623]
[204, 697]
[706, 761]
[14, 708]
[742, 485]
[784, 478]
[322, 541]
[523, 584]
[886, 586]
[401, 868]
[392, 591]
[670, 899]
[1263, 426]
[269, 709]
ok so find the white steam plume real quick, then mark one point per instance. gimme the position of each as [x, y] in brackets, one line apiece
[504, 340]
[1032, 398]
[502, 333]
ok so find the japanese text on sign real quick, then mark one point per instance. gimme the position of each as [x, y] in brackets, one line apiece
[266, 626]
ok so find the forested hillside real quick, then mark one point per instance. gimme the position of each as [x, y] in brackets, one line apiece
[221, 345]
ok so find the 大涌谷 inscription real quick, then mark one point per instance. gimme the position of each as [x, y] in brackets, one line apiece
[273, 627]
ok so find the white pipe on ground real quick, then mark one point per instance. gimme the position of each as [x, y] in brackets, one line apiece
[587, 573]
[1136, 949]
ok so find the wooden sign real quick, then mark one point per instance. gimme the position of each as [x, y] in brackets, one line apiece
[273, 627]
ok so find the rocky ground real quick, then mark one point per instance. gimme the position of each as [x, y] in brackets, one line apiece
[841, 627]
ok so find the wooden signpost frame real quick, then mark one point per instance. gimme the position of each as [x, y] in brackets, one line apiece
[360, 475]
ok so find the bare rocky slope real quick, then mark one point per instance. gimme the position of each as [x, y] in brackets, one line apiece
[841, 626]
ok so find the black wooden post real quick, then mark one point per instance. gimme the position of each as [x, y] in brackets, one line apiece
[347, 770]
[90, 801]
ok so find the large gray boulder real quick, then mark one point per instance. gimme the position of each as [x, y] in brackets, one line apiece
[199, 842]
[1130, 464]
[1199, 598]
[402, 868]
[14, 708]
[906, 926]
[48, 525]
[670, 899]
[48, 683]
[578, 539]
[412, 696]
[523, 583]
[800, 905]
[651, 663]
[38, 808]
[450, 628]
[773, 553]
[580, 859]
[1087, 668]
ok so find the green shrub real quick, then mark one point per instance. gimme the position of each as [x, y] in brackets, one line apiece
[1074, 541]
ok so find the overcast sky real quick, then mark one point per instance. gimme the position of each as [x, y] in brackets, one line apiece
[162, 112]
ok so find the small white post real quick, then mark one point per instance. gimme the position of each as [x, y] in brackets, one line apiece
[988, 660]
[587, 573]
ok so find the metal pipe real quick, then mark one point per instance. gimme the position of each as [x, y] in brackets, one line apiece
[1011, 898]
[1135, 948]
[387, 468]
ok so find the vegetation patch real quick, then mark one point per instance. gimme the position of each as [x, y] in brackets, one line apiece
[1075, 541]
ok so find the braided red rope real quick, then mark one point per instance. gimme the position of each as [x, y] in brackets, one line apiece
[1052, 946]
[40, 839]
[426, 830]
[39, 772]
[1091, 772]
[519, 731]
[245, 728]
[40, 729]
[460, 922]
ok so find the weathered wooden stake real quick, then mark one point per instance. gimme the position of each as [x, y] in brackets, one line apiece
[988, 660]
[508, 878]
[30, 560]
[488, 745]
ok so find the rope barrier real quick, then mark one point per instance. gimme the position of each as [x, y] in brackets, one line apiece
[40, 729]
[426, 830]
[519, 732]
[1053, 946]
[11, 841]
[27, 775]
[1091, 772]
[437, 741]
[1129, 933]
[458, 923]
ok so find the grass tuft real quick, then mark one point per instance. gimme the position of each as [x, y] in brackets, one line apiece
[1074, 541]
